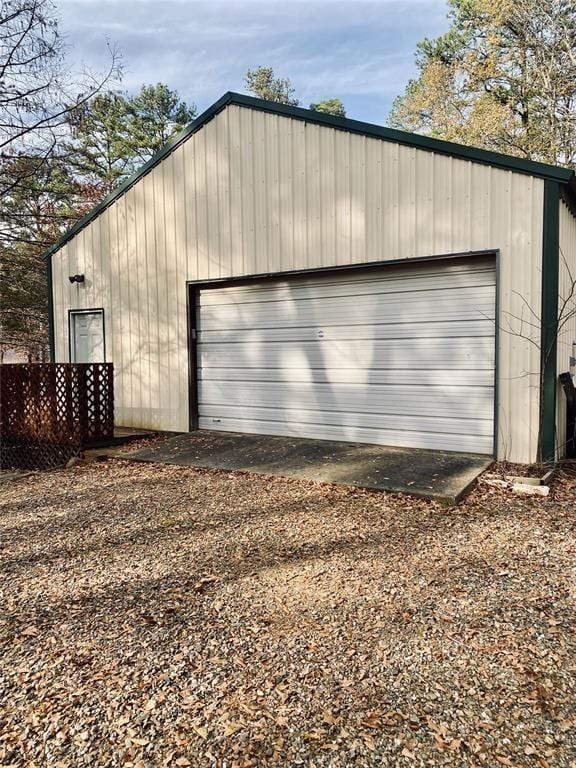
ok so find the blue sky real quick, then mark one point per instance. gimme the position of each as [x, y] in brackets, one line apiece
[361, 51]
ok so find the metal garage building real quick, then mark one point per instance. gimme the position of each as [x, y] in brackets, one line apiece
[280, 271]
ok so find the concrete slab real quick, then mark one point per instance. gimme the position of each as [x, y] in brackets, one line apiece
[438, 475]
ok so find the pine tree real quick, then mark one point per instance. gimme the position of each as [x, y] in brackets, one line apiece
[503, 77]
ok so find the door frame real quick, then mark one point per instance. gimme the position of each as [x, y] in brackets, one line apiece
[193, 288]
[94, 311]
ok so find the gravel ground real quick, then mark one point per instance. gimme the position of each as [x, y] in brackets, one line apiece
[162, 616]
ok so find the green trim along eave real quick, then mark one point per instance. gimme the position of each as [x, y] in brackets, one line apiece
[50, 295]
[549, 319]
[506, 162]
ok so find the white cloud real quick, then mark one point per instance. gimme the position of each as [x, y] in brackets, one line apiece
[358, 50]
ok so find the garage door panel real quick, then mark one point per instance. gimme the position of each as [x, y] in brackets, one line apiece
[394, 357]
[402, 439]
[428, 353]
[467, 304]
[396, 330]
[404, 376]
[365, 398]
[380, 421]
[334, 286]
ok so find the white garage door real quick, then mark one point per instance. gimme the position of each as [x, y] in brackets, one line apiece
[398, 355]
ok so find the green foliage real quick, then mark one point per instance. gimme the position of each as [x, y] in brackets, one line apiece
[156, 114]
[35, 90]
[113, 134]
[110, 136]
[32, 215]
[503, 77]
[101, 150]
[330, 107]
[66, 142]
[262, 83]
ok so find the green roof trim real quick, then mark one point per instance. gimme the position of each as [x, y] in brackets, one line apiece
[563, 176]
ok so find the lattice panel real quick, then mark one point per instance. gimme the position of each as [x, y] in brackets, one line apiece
[49, 412]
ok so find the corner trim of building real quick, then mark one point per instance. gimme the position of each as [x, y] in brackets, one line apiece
[549, 319]
[191, 324]
[50, 290]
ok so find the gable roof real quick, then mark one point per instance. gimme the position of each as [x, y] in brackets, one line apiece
[564, 176]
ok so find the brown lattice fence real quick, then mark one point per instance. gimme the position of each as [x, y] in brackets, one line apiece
[50, 412]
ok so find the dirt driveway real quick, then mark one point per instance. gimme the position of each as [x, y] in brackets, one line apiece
[162, 616]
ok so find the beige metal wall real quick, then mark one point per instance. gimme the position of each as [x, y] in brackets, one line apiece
[566, 310]
[252, 192]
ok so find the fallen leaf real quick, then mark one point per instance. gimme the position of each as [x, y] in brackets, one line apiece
[372, 721]
[202, 583]
[200, 730]
[231, 728]
[455, 744]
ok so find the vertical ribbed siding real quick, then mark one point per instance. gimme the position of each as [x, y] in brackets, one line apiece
[566, 311]
[252, 193]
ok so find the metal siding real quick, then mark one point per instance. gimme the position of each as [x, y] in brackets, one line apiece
[246, 150]
[171, 280]
[300, 182]
[199, 194]
[138, 272]
[149, 399]
[236, 196]
[122, 312]
[395, 356]
[130, 284]
[264, 191]
[105, 276]
[343, 202]
[180, 359]
[566, 312]
[259, 258]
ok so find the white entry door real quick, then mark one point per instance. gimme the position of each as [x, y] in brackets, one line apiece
[87, 336]
[402, 355]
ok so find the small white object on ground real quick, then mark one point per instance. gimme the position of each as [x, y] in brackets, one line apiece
[531, 490]
[523, 480]
[497, 482]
